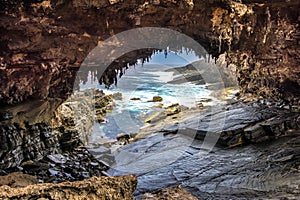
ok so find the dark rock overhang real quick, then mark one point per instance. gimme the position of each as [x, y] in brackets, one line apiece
[44, 42]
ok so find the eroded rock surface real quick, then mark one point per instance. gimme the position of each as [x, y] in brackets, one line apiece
[266, 170]
[44, 42]
[95, 188]
[18, 179]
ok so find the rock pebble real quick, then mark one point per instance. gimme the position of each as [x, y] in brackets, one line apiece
[5, 116]
[135, 99]
[72, 166]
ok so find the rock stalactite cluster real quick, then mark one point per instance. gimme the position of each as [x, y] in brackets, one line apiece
[262, 40]
[43, 45]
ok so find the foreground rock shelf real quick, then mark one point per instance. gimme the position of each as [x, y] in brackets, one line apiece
[108, 188]
[256, 155]
[259, 171]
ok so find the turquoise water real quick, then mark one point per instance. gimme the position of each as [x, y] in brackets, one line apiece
[143, 82]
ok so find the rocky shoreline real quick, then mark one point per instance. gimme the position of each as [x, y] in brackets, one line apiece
[258, 145]
[245, 124]
[69, 159]
[173, 137]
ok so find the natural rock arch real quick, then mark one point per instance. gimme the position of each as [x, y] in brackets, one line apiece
[49, 44]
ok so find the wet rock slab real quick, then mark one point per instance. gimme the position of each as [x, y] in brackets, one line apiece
[236, 168]
[238, 123]
[265, 170]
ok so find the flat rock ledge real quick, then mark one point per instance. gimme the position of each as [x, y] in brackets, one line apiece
[121, 187]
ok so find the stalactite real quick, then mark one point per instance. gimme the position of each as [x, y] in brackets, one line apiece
[118, 68]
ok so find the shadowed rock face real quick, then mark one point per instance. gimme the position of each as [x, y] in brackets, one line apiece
[44, 42]
[37, 133]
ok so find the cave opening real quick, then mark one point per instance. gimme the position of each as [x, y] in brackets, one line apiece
[71, 110]
[155, 89]
[166, 74]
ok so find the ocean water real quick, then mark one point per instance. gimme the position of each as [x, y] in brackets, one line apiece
[144, 82]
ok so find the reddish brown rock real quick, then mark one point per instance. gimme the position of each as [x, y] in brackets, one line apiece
[18, 179]
[43, 45]
[95, 188]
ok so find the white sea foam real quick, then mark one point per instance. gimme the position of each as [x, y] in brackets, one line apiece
[144, 83]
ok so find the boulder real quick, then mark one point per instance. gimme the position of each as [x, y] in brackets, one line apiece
[125, 137]
[205, 100]
[173, 109]
[135, 99]
[5, 115]
[156, 99]
[160, 105]
[155, 117]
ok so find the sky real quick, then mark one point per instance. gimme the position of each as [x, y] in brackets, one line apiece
[173, 58]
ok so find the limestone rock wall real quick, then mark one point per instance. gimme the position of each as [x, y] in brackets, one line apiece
[262, 40]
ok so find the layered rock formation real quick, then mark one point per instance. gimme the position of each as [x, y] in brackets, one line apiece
[45, 138]
[260, 160]
[43, 44]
